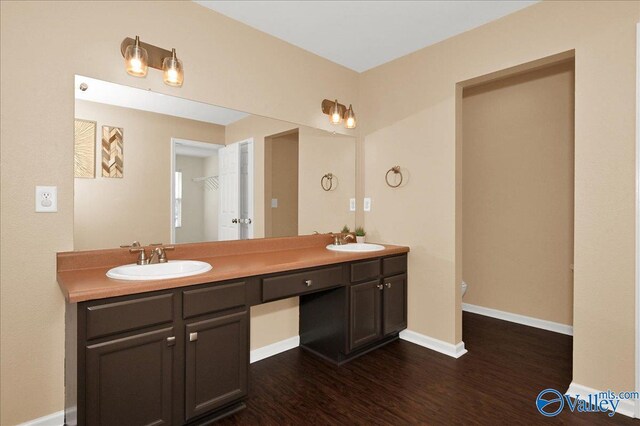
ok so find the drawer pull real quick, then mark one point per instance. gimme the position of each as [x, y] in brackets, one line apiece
[309, 283]
[171, 341]
[388, 285]
[193, 336]
[380, 286]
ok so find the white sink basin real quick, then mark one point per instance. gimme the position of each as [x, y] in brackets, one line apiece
[159, 271]
[356, 247]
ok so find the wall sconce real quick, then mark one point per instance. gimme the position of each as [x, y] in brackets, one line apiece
[138, 56]
[338, 112]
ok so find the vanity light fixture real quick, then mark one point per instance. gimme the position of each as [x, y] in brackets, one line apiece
[338, 112]
[139, 55]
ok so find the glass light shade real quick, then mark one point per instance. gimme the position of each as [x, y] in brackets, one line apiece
[173, 71]
[334, 113]
[136, 59]
[350, 119]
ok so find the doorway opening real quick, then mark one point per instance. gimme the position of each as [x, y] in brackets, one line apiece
[211, 191]
[516, 197]
[281, 154]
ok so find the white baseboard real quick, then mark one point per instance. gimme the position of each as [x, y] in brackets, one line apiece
[274, 349]
[519, 319]
[627, 407]
[54, 419]
[455, 351]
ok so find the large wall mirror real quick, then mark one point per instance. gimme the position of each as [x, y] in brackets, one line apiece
[162, 169]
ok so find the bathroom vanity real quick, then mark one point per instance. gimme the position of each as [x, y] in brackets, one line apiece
[177, 351]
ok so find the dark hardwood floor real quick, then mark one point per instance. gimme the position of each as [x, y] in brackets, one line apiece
[496, 383]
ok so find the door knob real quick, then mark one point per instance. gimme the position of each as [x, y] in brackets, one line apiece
[193, 336]
[234, 220]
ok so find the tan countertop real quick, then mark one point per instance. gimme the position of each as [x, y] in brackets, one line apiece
[82, 275]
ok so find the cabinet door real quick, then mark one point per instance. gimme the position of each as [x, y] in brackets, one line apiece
[129, 380]
[364, 313]
[217, 363]
[394, 317]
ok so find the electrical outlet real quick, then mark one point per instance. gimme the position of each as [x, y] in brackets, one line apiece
[367, 204]
[46, 199]
[274, 203]
[352, 204]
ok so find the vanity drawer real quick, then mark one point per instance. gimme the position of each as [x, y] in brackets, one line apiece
[301, 282]
[366, 270]
[128, 315]
[213, 299]
[394, 265]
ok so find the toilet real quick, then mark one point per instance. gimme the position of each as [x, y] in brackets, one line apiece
[464, 288]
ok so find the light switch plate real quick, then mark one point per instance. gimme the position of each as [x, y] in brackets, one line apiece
[274, 203]
[367, 204]
[352, 204]
[46, 199]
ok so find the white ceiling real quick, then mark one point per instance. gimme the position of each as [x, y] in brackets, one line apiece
[364, 34]
[130, 97]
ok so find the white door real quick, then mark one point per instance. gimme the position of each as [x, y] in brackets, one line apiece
[229, 179]
[246, 189]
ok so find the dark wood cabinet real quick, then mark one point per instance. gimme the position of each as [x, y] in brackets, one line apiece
[394, 302]
[341, 325]
[181, 356]
[217, 362]
[129, 380]
[364, 313]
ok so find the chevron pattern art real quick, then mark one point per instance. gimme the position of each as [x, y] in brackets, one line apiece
[112, 152]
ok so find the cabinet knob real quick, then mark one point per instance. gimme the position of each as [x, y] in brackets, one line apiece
[193, 336]
[171, 341]
[388, 285]
[380, 286]
[309, 283]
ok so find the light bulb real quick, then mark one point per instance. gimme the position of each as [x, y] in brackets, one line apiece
[172, 75]
[136, 65]
[334, 113]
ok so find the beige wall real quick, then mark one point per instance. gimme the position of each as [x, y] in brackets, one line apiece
[320, 153]
[192, 229]
[283, 168]
[517, 194]
[408, 117]
[109, 212]
[37, 109]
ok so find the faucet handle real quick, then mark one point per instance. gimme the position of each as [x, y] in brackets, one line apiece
[133, 244]
[160, 251]
[142, 256]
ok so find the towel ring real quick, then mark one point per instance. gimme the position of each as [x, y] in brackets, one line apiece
[327, 182]
[396, 171]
